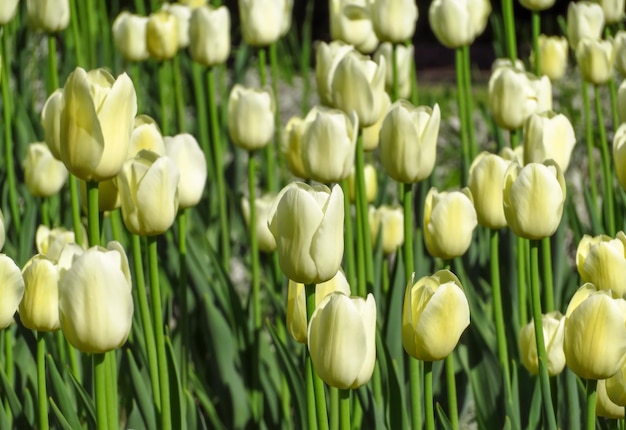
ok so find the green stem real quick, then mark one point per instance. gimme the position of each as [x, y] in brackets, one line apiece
[515, 138]
[318, 385]
[277, 127]
[415, 381]
[42, 395]
[361, 277]
[140, 7]
[310, 393]
[93, 216]
[76, 222]
[116, 226]
[509, 29]
[548, 284]
[157, 315]
[385, 275]
[203, 125]
[89, 32]
[536, 29]
[395, 89]
[164, 84]
[8, 368]
[334, 408]
[363, 208]
[428, 395]
[344, 409]
[45, 211]
[591, 165]
[178, 93]
[469, 103]
[305, 57]
[453, 410]
[503, 356]
[613, 96]
[462, 108]
[182, 283]
[100, 377]
[591, 403]
[111, 390]
[74, 19]
[348, 237]
[270, 162]
[53, 76]
[607, 174]
[407, 201]
[522, 282]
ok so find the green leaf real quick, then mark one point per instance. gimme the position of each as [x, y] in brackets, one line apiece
[66, 400]
[443, 418]
[534, 415]
[143, 396]
[176, 398]
[191, 411]
[85, 400]
[9, 394]
[59, 415]
[207, 405]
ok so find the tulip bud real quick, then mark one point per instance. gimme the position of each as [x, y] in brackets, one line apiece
[605, 407]
[584, 19]
[533, 199]
[394, 20]
[594, 335]
[261, 21]
[328, 144]
[371, 183]
[457, 23]
[96, 122]
[486, 179]
[129, 36]
[44, 175]
[552, 324]
[306, 222]
[342, 340]
[209, 30]
[7, 12]
[371, 135]
[351, 22]
[405, 61]
[512, 98]
[145, 135]
[449, 221]
[543, 90]
[553, 56]
[162, 35]
[408, 141]
[148, 187]
[186, 153]
[251, 117]
[537, 5]
[327, 57]
[51, 122]
[548, 136]
[613, 12]
[182, 13]
[95, 301]
[595, 59]
[616, 388]
[50, 242]
[389, 222]
[49, 16]
[601, 261]
[263, 205]
[619, 151]
[621, 102]
[434, 315]
[619, 49]
[359, 84]
[39, 308]
[296, 303]
[11, 288]
[290, 147]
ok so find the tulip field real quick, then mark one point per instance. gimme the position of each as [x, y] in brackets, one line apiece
[209, 219]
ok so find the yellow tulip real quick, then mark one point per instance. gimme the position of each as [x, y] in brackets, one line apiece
[394, 20]
[613, 11]
[605, 407]
[584, 19]
[389, 222]
[351, 22]
[145, 135]
[129, 36]
[49, 16]
[511, 96]
[548, 136]
[50, 242]
[434, 315]
[290, 147]
[306, 222]
[371, 183]
[182, 13]
[209, 31]
[601, 261]
[186, 153]
[553, 54]
[619, 151]
[616, 388]
[44, 175]
[11, 289]
[371, 135]
[263, 205]
[342, 340]
[261, 21]
[595, 60]
[51, 122]
[251, 117]
[39, 308]
[404, 60]
[486, 179]
[7, 12]
[162, 35]
[327, 57]
[553, 324]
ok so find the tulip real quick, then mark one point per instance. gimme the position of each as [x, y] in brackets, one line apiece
[553, 56]
[434, 315]
[290, 147]
[11, 289]
[287, 17]
[594, 335]
[7, 12]
[306, 222]
[584, 19]
[186, 153]
[408, 141]
[251, 117]
[209, 31]
[182, 13]
[457, 23]
[619, 48]
[328, 144]
[49, 16]
[595, 59]
[405, 61]
[621, 102]
[605, 407]
[95, 301]
[552, 324]
[44, 175]
[486, 179]
[51, 122]
[96, 122]
[351, 22]
[50, 242]
[342, 340]
[359, 84]
[533, 199]
[327, 57]
[261, 21]
[371, 135]
[389, 222]
[129, 36]
[39, 308]
[108, 195]
[145, 135]
[548, 136]
[616, 388]
[543, 91]
[296, 303]
[371, 183]
[613, 12]
[619, 150]
[267, 243]
[394, 20]
[511, 96]
[162, 35]
[449, 221]
[601, 261]
[148, 187]
[537, 5]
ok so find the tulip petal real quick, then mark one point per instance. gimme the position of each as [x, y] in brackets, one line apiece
[11, 289]
[154, 196]
[330, 231]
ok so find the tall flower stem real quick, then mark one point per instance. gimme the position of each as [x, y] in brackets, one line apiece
[608, 34]
[8, 367]
[203, 125]
[544, 378]
[428, 395]
[164, 84]
[344, 409]
[274, 69]
[536, 29]
[178, 94]
[349, 236]
[219, 170]
[395, 89]
[74, 19]
[319, 403]
[53, 76]
[548, 284]
[453, 409]
[182, 283]
[522, 281]
[591, 403]
[509, 29]
[590, 156]
[607, 174]
[469, 103]
[42, 396]
[362, 208]
[76, 223]
[100, 377]
[462, 108]
[270, 157]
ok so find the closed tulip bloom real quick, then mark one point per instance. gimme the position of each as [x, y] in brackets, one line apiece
[39, 308]
[182, 13]
[449, 221]
[290, 147]
[327, 57]
[287, 17]
[11, 290]
[619, 48]
[434, 316]
[371, 183]
[267, 243]
[543, 91]
[605, 407]
[533, 198]
[342, 340]
[619, 152]
[359, 85]
[162, 35]
[371, 135]
[595, 334]
[601, 261]
[486, 179]
[148, 185]
[296, 303]
[306, 222]
[51, 122]
[388, 221]
[621, 102]
[49, 16]
[96, 122]
[95, 301]
[511, 97]
[50, 242]
[351, 22]
[7, 12]
[186, 153]
[457, 23]
[584, 19]
[553, 324]
[394, 20]
[328, 144]
[613, 11]
[209, 31]
[548, 135]
[553, 54]
[145, 135]
[595, 59]
[44, 175]
[129, 36]
[250, 117]
[537, 5]
[261, 21]
[405, 61]
[616, 388]
[408, 141]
